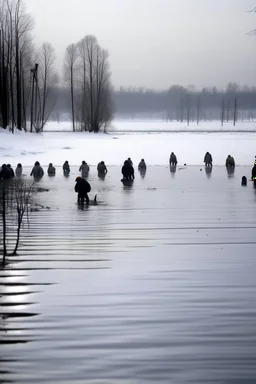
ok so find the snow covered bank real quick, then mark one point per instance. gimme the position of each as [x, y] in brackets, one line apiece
[119, 126]
[113, 149]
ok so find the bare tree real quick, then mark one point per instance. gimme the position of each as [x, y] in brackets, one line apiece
[69, 75]
[93, 87]
[15, 199]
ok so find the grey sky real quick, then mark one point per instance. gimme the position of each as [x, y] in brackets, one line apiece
[156, 43]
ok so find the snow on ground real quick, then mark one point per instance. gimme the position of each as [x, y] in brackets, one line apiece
[130, 126]
[114, 148]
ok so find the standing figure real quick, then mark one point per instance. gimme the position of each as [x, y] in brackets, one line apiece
[142, 165]
[5, 173]
[102, 169]
[208, 159]
[11, 170]
[230, 162]
[18, 170]
[82, 187]
[51, 170]
[37, 171]
[128, 171]
[84, 169]
[130, 161]
[66, 168]
[173, 159]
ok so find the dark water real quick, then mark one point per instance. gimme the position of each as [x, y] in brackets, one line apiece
[156, 284]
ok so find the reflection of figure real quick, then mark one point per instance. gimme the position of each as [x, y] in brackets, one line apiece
[173, 168]
[66, 168]
[84, 169]
[230, 171]
[128, 171]
[208, 159]
[244, 181]
[82, 187]
[208, 171]
[37, 171]
[173, 159]
[51, 170]
[18, 170]
[230, 162]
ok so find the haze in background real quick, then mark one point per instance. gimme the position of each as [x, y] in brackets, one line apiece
[156, 43]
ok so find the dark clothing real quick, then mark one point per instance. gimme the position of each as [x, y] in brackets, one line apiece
[230, 162]
[208, 159]
[5, 173]
[254, 172]
[37, 172]
[142, 165]
[128, 171]
[11, 171]
[101, 168]
[82, 187]
[66, 168]
[173, 159]
[51, 171]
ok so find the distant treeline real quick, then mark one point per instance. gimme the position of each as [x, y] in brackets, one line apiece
[177, 103]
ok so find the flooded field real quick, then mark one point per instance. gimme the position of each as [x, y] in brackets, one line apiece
[154, 284]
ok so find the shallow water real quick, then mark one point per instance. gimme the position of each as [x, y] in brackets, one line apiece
[155, 284]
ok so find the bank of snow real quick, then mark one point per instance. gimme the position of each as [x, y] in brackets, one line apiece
[190, 148]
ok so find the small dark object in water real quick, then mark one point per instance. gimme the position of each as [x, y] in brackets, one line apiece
[200, 169]
[185, 165]
[244, 181]
[40, 189]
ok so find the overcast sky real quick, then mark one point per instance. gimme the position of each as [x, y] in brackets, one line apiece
[157, 43]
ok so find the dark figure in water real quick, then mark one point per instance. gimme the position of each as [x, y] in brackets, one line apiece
[254, 172]
[244, 181]
[82, 187]
[173, 159]
[208, 159]
[230, 162]
[37, 171]
[51, 170]
[66, 168]
[127, 171]
[130, 161]
[142, 165]
[102, 169]
[11, 170]
[18, 170]
[5, 173]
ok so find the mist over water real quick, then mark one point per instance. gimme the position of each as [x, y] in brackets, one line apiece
[155, 283]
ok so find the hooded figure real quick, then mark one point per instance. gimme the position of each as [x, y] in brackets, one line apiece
[173, 159]
[51, 170]
[5, 173]
[101, 168]
[66, 168]
[11, 170]
[142, 165]
[37, 171]
[208, 159]
[18, 170]
[254, 172]
[230, 162]
[82, 187]
[130, 161]
[128, 171]
[84, 169]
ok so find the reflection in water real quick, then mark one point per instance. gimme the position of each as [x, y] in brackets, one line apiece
[142, 172]
[135, 294]
[230, 172]
[208, 171]
[101, 175]
[173, 168]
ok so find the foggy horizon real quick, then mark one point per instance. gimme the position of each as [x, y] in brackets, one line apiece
[157, 43]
